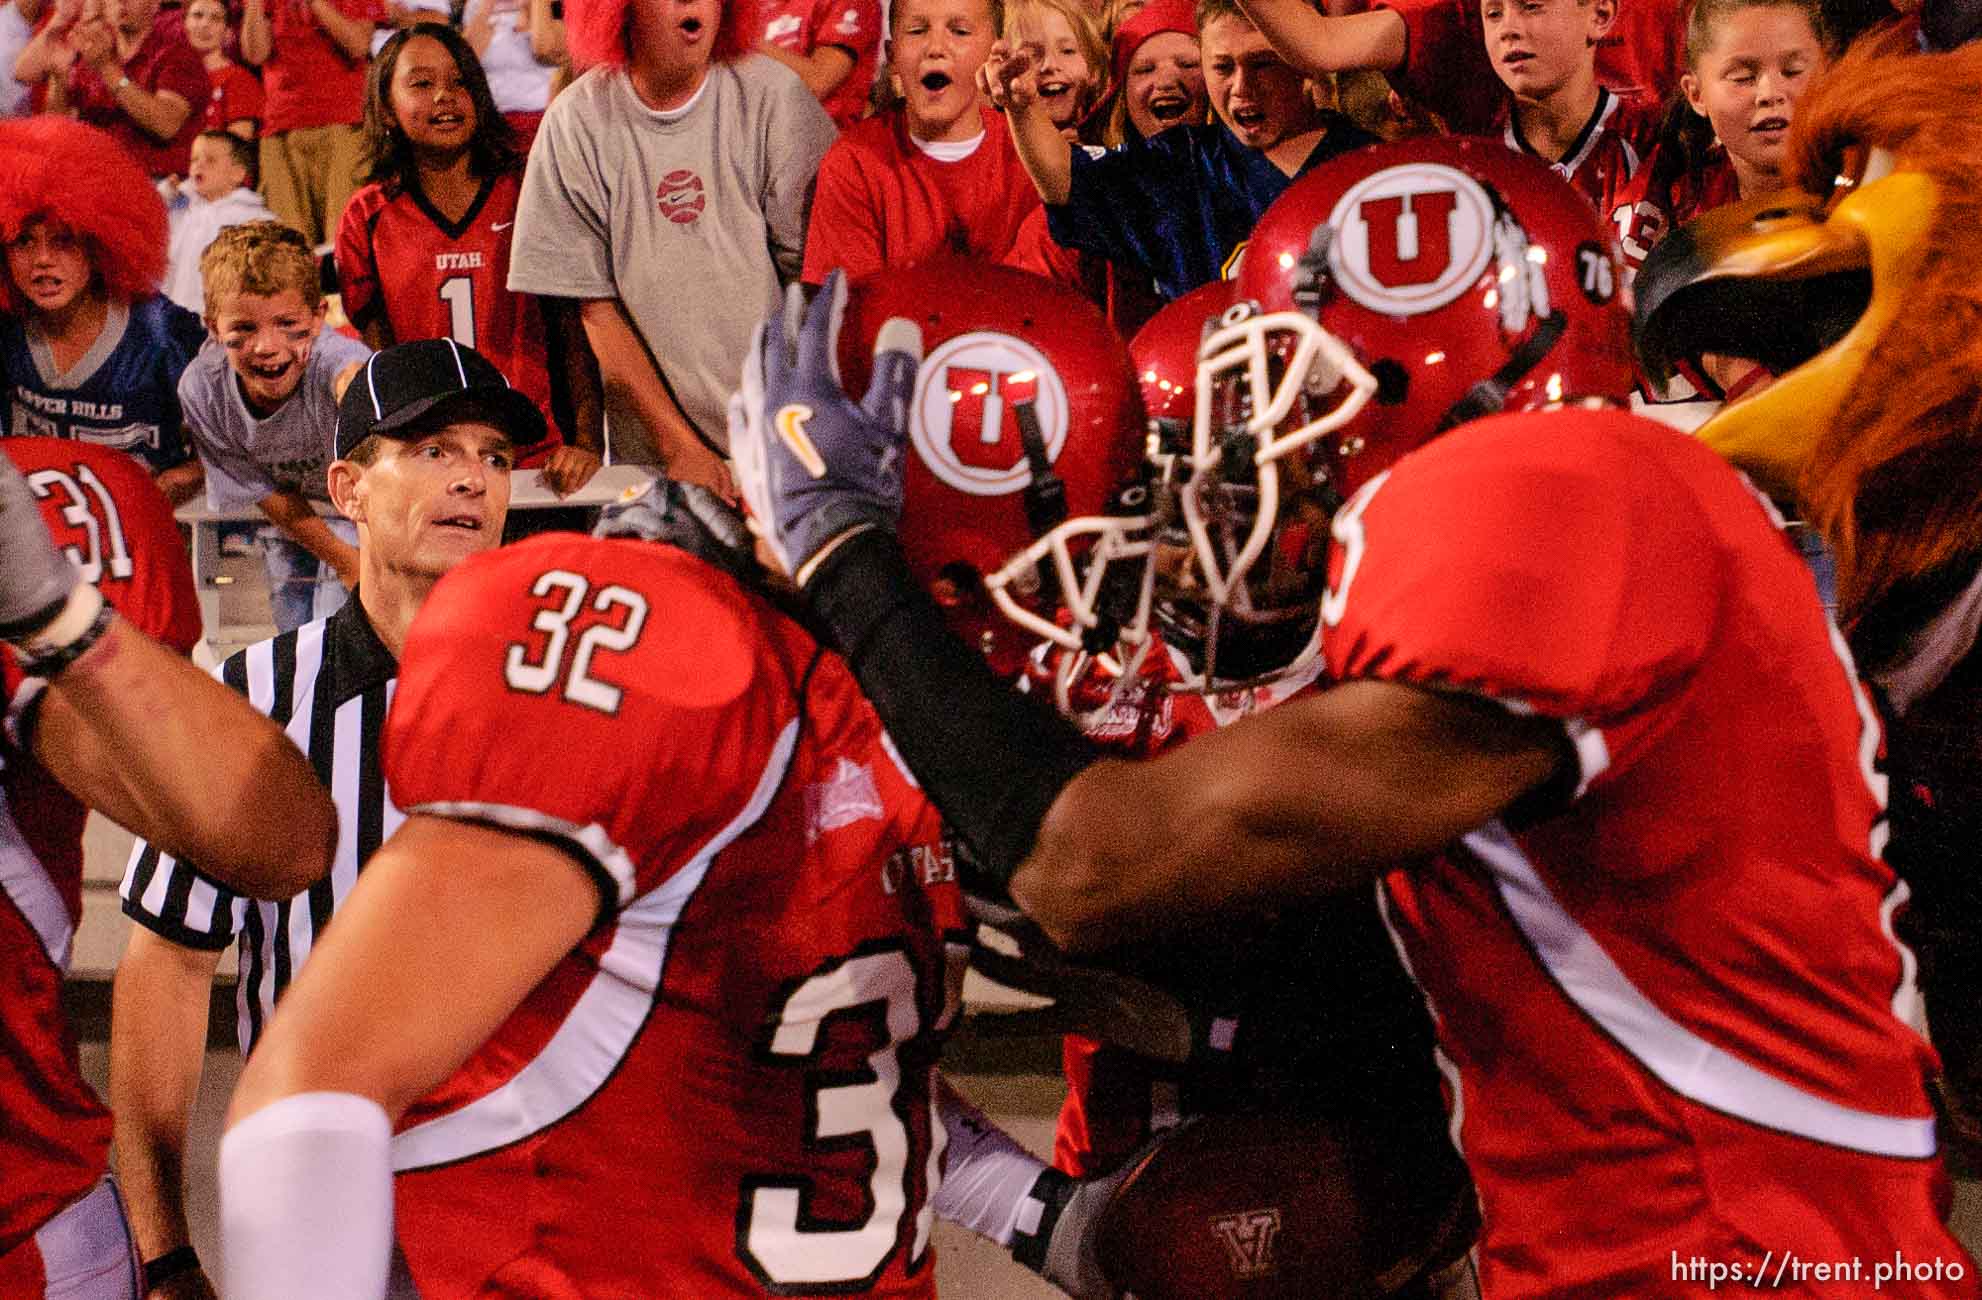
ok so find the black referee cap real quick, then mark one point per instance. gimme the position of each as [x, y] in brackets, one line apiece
[404, 389]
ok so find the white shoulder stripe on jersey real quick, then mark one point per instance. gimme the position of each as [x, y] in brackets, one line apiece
[593, 839]
[26, 883]
[1592, 750]
[1679, 1058]
[602, 1024]
[1592, 753]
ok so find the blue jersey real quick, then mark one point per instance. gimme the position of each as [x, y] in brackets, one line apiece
[122, 393]
[1179, 206]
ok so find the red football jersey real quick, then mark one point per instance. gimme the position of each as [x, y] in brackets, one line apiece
[882, 202]
[399, 259]
[1643, 218]
[102, 508]
[803, 26]
[1676, 1015]
[727, 1088]
[1446, 67]
[1608, 153]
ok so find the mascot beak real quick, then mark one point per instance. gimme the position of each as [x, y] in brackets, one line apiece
[1805, 286]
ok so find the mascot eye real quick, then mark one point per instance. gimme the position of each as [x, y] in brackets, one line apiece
[1847, 166]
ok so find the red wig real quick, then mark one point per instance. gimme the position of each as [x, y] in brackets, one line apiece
[598, 31]
[58, 170]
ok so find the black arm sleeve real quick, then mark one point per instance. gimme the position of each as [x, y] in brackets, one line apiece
[991, 759]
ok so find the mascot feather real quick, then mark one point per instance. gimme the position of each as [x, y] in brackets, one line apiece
[1861, 287]
[57, 170]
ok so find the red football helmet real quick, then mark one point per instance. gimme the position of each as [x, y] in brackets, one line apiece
[1024, 414]
[1387, 296]
[1459, 278]
[1164, 352]
[1275, 1206]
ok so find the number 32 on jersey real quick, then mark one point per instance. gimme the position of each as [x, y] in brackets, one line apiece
[538, 670]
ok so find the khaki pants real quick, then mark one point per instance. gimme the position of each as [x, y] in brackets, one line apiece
[308, 175]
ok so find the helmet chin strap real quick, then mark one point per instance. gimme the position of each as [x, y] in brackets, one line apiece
[1490, 395]
[1046, 494]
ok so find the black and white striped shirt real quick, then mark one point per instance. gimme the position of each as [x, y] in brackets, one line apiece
[327, 684]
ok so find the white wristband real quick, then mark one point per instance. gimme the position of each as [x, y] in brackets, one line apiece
[62, 631]
[986, 1175]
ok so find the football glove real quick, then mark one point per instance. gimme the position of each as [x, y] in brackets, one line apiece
[1063, 1248]
[686, 516]
[1086, 999]
[813, 465]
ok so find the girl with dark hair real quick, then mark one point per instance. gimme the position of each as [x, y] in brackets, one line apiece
[1747, 64]
[423, 249]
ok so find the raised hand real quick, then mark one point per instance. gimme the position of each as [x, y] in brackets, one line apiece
[1009, 78]
[815, 466]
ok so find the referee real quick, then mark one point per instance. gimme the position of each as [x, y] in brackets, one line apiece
[425, 439]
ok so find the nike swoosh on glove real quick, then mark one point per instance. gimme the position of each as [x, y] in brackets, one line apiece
[815, 466]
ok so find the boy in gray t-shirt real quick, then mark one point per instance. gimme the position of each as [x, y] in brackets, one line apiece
[260, 402]
[668, 190]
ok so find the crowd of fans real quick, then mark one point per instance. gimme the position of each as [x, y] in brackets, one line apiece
[606, 198]
[612, 247]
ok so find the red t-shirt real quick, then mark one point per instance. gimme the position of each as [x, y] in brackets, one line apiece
[880, 201]
[1446, 67]
[1675, 1014]
[803, 26]
[237, 93]
[726, 1088]
[309, 80]
[102, 509]
[162, 62]
[400, 260]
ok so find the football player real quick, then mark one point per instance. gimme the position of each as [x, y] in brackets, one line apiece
[1582, 684]
[652, 981]
[1300, 1011]
[101, 709]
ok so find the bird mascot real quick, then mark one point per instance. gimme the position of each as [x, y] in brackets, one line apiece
[1860, 287]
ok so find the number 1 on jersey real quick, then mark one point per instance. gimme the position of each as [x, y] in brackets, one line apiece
[458, 292]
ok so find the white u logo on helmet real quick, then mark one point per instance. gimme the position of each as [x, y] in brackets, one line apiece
[962, 422]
